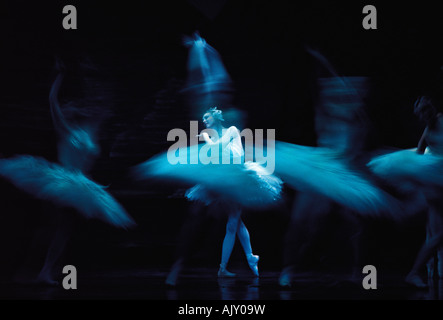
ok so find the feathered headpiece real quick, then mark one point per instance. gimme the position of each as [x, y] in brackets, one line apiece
[217, 114]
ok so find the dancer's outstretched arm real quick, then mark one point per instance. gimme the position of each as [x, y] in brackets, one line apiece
[58, 119]
[225, 139]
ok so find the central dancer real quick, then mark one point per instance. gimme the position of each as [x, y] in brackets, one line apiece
[230, 140]
[216, 185]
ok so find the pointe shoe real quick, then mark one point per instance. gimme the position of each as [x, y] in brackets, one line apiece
[171, 279]
[285, 278]
[253, 263]
[224, 273]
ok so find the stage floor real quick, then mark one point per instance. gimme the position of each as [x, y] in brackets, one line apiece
[203, 284]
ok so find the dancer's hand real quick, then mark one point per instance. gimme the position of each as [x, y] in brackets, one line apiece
[204, 135]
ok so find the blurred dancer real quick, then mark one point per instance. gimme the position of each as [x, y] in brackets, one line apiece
[426, 110]
[208, 84]
[65, 184]
[422, 172]
[332, 173]
[432, 142]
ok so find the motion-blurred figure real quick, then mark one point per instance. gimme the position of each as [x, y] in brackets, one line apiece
[226, 187]
[331, 173]
[66, 183]
[208, 83]
[421, 170]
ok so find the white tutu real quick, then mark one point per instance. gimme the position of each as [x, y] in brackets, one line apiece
[407, 169]
[64, 187]
[264, 190]
[323, 171]
[247, 184]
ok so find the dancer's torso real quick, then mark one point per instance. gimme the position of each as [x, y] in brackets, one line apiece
[434, 138]
[77, 150]
[234, 147]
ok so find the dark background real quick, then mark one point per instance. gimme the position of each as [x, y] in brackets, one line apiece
[126, 66]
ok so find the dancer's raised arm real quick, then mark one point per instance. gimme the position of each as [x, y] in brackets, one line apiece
[422, 144]
[58, 119]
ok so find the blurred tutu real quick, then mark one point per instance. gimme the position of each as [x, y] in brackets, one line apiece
[248, 184]
[262, 189]
[324, 171]
[64, 187]
[407, 169]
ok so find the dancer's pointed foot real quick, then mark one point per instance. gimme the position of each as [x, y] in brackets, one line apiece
[253, 263]
[224, 273]
[285, 278]
[415, 281]
[171, 279]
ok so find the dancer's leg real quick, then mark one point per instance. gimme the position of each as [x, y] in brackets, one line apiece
[435, 226]
[188, 235]
[440, 262]
[307, 212]
[245, 240]
[428, 249]
[63, 233]
[243, 236]
[356, 228]
[294, 237]
[431, 261]
[229, 241]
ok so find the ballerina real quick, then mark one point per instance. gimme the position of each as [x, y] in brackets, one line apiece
[65, 184]
[231, 138]
[330, 173]
[422, 172]
[425, 109]
[228, 186]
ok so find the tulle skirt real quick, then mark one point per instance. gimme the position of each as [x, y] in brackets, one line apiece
[264, 189]
[406, 169]
[247, 185]
[64, 187]
[326, 172]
